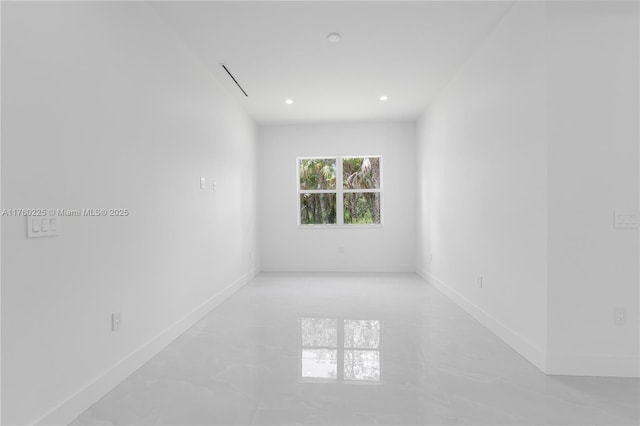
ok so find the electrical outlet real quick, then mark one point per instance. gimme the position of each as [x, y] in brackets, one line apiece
[619, 315]
[480, 282]
[116, 321]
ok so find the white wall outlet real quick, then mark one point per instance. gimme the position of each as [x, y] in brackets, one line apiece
[116, 321]
[480, 282]
[625, 219]
[214, 185]
[203, 183]
[619, 315]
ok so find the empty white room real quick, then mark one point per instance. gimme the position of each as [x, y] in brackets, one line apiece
[320, 212]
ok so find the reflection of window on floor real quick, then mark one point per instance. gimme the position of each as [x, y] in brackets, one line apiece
[340, 350]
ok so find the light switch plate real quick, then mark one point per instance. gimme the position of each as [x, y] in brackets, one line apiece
[43, 226]
[622, 219]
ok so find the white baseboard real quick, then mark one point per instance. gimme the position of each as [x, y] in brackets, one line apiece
[519, 343]
[564, 364]
[338, 268]
[602, 365]
[72, 407]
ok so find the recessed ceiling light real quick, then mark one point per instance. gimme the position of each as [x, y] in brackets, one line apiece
[288, 101]
[384, 97]
[334, 37]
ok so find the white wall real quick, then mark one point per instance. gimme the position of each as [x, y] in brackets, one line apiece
[103, 107]
[522, 161]
[483, 184]
[593, 69]
[286, 247]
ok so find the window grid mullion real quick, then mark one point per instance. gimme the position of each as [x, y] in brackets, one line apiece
[355, 348]
[329, 348]
[339, 191]
[317, 191]
[340, 358]
[348, 191]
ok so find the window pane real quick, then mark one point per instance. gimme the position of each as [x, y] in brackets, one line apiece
[362, 365]
[317, 208]
[319, 332]
[364, 334]
[361, 173]
[319, 363]
[362, 207]
[317, 173]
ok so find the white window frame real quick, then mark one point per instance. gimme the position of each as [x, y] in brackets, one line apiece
[339, 191]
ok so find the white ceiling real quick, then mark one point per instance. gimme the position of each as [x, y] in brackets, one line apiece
[279, 50]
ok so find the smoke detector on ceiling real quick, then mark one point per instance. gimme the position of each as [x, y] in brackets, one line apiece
[334, 37]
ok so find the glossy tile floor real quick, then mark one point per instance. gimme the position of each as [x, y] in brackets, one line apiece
[352, 349]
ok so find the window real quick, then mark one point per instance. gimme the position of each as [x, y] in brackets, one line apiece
[335, 350]
[340, 190]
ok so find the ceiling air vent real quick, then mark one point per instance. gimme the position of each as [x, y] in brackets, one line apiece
[234, 79]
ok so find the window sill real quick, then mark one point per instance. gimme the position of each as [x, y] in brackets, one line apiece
[356, 226]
